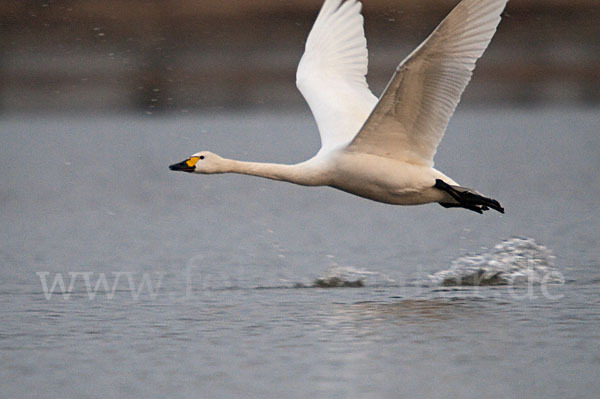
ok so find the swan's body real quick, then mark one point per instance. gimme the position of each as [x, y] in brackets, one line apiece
[380, 149]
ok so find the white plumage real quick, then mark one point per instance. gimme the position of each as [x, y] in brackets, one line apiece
[380, 149]
[413, 113]
[332, 73]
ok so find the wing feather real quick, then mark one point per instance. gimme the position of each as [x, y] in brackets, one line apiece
[332, 73]
[413, 113]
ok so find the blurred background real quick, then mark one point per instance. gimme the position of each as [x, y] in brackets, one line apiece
[164, 56]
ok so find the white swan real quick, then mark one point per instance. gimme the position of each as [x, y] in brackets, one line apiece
[380, 149]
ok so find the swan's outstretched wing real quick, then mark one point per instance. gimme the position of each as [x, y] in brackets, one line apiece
[331, 73]
[411, 117]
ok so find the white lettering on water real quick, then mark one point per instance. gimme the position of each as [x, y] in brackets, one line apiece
[58, 285]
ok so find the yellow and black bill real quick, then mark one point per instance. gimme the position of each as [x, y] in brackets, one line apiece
[189, 165]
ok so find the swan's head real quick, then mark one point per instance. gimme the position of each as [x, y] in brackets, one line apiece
[202, 162]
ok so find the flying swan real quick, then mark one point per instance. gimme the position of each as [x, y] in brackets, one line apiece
[380, 149]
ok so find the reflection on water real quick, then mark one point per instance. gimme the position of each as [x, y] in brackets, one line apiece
[414, 310]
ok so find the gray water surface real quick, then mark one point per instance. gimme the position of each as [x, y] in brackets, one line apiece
[232, 260]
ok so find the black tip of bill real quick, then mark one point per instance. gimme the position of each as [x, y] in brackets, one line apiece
[183, 167]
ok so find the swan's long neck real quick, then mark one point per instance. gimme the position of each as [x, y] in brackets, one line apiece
[304, 173]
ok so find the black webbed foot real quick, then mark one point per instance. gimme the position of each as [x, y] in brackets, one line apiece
[467, 198]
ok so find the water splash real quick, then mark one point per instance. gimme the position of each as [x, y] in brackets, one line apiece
[514, 261]
[345, 276]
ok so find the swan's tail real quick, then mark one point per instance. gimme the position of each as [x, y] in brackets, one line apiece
[467, 198]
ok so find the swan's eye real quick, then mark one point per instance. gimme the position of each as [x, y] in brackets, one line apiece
[201, 157]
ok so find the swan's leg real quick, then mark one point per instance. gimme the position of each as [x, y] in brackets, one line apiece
[467, 198]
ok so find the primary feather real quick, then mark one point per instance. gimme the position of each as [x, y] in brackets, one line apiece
[411, 117]
[332, 73]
